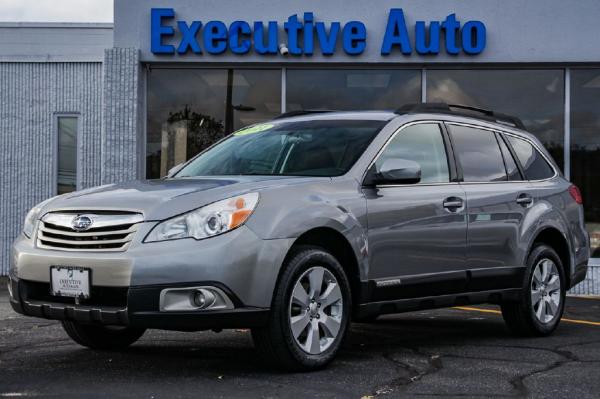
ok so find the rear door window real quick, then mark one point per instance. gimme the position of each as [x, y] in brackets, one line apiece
[533, 163]
[478, 154]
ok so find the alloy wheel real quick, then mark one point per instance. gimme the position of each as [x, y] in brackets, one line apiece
[546, 291]
[316, 310]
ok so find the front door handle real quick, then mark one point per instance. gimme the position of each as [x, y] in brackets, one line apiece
[524, 199]
[452, 203]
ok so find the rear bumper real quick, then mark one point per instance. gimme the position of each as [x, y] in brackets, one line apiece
[141, 309]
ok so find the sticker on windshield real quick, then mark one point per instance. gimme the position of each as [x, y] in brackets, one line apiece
[253, 129]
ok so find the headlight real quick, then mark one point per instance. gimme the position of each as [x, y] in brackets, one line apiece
[31, 218]
[210, 220]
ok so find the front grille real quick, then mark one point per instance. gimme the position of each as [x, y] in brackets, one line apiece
[108, 232]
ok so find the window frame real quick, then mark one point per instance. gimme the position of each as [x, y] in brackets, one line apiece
[452, 172]
[56, 142]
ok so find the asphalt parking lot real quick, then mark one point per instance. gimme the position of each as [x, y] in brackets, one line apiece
[452, 353]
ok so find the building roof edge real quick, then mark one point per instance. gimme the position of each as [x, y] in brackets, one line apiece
[59, 25]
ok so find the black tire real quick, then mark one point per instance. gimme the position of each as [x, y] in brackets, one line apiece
[275, 341]
[520, 317]
[102, 337]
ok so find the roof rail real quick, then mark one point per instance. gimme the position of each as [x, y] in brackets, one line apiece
[301, 112]
[463, 110]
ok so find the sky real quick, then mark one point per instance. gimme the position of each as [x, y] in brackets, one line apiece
[56, 10]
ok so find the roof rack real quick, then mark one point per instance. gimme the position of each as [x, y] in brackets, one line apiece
[463, 110]
[301, 112]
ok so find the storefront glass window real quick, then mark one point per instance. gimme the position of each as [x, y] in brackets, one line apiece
[535, 96]
[67, 154]
[190, 109]
[585, 146]
[350, 89]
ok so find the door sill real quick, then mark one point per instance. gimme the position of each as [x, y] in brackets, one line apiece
[433, 302]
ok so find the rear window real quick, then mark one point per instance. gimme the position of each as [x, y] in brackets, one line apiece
[533, 163]
[478, 154]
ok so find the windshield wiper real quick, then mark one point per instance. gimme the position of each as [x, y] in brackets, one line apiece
[255, 174]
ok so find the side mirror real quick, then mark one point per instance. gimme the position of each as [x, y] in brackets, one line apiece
[174, 170]
[395, 171]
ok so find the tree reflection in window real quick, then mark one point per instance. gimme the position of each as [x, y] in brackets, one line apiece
[189, 109]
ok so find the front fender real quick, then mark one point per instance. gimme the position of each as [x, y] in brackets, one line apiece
[288, 214]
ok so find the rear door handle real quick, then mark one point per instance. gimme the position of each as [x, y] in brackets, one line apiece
[524, 199]
[452, 203]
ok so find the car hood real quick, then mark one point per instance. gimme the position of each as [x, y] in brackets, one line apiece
[161, 199]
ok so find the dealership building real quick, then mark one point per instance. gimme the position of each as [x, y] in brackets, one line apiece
[89, 104]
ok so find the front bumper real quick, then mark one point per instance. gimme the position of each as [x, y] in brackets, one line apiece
[126, 285]
[133, 307]
[239, 259]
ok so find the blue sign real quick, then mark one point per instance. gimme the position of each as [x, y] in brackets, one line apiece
[307, 36]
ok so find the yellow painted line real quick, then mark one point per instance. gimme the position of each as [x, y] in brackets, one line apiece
[586, 322]
[470, 309]
[575, 321]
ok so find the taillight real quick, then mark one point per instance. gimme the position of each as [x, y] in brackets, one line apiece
[576, 194]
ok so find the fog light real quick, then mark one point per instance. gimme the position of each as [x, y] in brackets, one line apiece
[199, 299]
[203, 298]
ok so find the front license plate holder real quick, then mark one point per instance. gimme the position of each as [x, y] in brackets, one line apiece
[70, 281]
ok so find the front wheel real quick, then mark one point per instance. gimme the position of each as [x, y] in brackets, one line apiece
[102, 337]
[543, 296]
[310, 312]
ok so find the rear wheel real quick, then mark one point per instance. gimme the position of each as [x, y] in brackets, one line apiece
[543, 295]
[102, 337]
[310, 312]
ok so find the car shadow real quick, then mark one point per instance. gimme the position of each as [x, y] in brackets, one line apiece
[232, 353]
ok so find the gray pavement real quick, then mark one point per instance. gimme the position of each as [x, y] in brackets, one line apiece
[449, 353]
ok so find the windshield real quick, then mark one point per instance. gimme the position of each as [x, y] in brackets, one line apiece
[312, 148]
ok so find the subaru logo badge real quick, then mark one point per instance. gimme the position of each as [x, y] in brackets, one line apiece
[81, 223]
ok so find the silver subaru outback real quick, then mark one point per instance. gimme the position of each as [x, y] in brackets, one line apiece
[295, 227]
